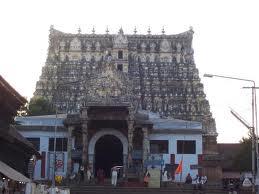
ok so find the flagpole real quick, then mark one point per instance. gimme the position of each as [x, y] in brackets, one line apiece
[182, 160]
[182, 169]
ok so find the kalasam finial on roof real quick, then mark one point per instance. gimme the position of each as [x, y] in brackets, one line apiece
[149, 31]
[135, 30]
[163, 30]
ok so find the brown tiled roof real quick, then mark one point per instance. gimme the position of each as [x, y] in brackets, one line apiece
[9, 89]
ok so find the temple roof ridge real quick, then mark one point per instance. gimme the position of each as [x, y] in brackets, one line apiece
[182, 34]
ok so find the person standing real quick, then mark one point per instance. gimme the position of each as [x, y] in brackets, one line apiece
[100, 176]
[114, 176]
[146, 178]
[165, 178]
[82, 176]
[89, 175]
[1, 185]
[204, 179]
[188, 179]
[6, 187]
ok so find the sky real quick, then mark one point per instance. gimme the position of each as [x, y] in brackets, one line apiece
[225, 42]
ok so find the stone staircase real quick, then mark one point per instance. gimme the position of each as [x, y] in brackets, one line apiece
[170, 189]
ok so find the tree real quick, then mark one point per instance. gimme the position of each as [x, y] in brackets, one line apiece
[243, 159]
[40, 106]
[23, 110]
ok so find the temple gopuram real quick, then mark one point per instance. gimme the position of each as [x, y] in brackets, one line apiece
[128, 99]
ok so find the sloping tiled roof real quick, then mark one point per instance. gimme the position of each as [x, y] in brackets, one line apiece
[10, 90]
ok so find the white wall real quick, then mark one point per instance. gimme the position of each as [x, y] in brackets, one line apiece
[188, 159]
[44, 147]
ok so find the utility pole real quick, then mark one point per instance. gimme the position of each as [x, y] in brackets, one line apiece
[253, 126]
[255, 135]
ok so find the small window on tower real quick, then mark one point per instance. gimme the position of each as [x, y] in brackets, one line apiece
[120, 67]
[120, 54]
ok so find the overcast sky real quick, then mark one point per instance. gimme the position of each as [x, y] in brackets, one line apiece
[226, 41]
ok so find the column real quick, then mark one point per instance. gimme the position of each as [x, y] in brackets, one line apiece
[85, 148]
[146, 144]
[85, 143]
[84, 121]
[130, 141]
[69, 149]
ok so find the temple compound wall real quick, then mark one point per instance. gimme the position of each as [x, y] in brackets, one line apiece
[137, 86]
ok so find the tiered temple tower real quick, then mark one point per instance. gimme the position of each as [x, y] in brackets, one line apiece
[157, 73]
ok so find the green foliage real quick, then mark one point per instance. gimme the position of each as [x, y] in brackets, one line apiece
[40, 106]
[243, 159]
[23, 111]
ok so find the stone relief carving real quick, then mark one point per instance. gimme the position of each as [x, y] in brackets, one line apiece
[165, 46]
[62, 45]
[88, 46]
[158, 78]
[75, 45]
[152, 47]
[120, 40]
[143, 47]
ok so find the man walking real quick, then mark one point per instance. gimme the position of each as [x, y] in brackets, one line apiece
[114, 176]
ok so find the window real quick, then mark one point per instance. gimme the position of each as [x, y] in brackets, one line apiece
[61, 144]
[35, 142]
[186, 147]
[120, 67]
[159, 146]
[120, 54]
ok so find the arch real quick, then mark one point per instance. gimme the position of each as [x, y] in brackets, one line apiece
[103, 132]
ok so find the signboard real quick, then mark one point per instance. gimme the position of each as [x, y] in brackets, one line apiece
[247, 183]
[154, 179]
[195, 166]
[59, 163]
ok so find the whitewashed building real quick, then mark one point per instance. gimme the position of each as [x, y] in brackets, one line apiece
[169, 141]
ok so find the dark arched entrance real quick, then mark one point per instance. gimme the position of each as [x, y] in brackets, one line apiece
[108, 152]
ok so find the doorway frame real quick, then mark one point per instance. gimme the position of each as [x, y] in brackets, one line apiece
[97, 136]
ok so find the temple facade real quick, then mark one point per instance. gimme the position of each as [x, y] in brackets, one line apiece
[110, 85]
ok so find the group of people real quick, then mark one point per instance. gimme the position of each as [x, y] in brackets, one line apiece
[198, 181]
[100, 175]
[82, 174]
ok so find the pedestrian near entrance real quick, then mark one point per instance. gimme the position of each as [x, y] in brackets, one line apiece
[114, 176]
[100, 176]
[82, 176]
[1, 185]
[165, 178]
[89, 175]
[146, 178]
[188, 179]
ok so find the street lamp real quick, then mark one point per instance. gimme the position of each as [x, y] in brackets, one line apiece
[254, 123]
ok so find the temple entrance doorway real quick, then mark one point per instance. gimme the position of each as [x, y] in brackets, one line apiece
[108, 153]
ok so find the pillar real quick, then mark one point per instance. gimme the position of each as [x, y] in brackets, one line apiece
[84, 121]
[130, 141]
[146, 144]
[85, 148]
[85, 143]
[69, 149]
